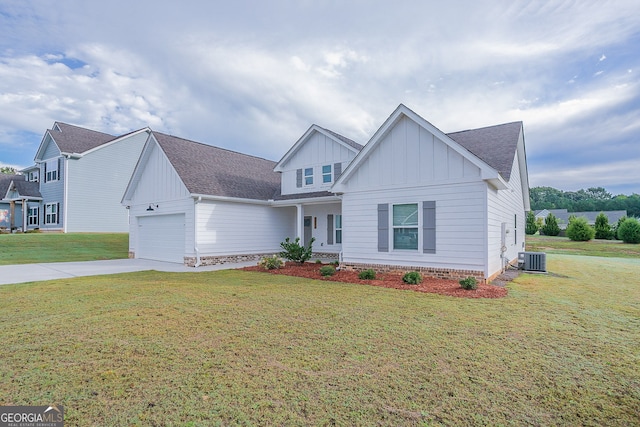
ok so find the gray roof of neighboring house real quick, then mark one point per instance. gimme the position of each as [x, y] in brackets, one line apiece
[495, 145]
[278, 195]
[74, 139]
[25, 188]
[344, 139]
[209, 170]
[563, 215]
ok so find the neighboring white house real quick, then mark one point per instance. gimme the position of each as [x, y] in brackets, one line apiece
[411, 198]
[81, 176]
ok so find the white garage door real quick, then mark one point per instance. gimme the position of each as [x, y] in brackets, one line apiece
[161, 237]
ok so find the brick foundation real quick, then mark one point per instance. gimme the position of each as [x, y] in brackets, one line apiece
[132, 255]
[224, 259]
[438, 273]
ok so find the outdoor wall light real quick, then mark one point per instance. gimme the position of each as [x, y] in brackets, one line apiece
[151, 208]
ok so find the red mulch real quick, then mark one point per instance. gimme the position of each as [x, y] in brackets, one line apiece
[388, 280]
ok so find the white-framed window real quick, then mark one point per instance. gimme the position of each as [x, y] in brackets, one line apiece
[405, 226]
[308, 176]
[33, 214]
[338, 228]
[34, 176]
[51, 213]
[51, 170]
[326, 174]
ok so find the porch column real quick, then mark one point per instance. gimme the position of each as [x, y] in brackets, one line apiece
[299, 221]
[12, 214]
[25, 210]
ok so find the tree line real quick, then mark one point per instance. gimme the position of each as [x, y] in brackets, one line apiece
[591, 199]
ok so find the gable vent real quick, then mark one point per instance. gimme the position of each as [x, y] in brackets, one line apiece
[533, 261]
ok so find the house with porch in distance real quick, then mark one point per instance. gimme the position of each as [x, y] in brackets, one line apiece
[412, 198]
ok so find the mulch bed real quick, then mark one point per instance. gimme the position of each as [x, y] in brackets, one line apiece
[387, 280]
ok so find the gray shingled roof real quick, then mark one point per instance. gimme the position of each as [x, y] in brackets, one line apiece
[495, 145]
[278, 195]
[210, 170]
[74, 139]
[343, 139]
[25, 188]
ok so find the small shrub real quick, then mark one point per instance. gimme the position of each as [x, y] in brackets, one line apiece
[318, 261]
[327, 270]
[629, 231]
[617, 227]
[602, 227]
[470, 283]
[412, 278]
[550, 227]
[367, 275]
[294, 251]
[531, 227]
[271, 262]
[579, 230]
[336, 263]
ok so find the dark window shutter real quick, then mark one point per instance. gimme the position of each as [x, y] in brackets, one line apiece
[337, 171]
[329, 229]
[59, 166]
[299, 178]
[58, 213]
[45, 171]
[429, 227]
[383, 227]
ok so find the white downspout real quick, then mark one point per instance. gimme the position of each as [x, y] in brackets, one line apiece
[65, 161]
[195, 231]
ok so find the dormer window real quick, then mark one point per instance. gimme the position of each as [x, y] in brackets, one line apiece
[34, 176]
[326, 174]
[308, 176]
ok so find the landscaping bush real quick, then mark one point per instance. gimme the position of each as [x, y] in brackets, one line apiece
[531, 226]
[294, 251]
[412, 278]
[327, 270]
[602, 227]
[550, 227]
[318, 261]
[579, 230]
[617, 227]
[367, 275]
[629, 231]
[470, 283]
[271, 262]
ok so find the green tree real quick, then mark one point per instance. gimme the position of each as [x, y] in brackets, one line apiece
[617, 227]
[550, 227]
[531, 227]
[602, 227]
[8, 170]
[579, 230]
[629, 231]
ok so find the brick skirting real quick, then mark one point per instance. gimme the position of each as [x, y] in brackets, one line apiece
[438, 273]
[224, 259]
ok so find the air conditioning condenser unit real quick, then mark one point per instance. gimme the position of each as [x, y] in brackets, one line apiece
[533, 261]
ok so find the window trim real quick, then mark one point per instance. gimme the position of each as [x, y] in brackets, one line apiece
[415, 226]
[326, 174]
[53, 217]
[336, 229]
[308, 177]
[33, 215]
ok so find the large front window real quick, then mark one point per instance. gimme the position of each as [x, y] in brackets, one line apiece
[51, 213]
[405, 226]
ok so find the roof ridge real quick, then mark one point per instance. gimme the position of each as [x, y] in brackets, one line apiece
[486, 127]
[211, 146]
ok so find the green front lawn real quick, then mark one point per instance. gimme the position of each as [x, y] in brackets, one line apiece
[53, 247]
[233, 347]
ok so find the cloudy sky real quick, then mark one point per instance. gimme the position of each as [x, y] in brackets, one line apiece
[252, 76]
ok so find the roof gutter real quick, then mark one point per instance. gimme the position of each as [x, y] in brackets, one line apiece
[201, 197]
[195, 232]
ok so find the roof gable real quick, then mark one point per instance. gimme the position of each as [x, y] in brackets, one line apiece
[18, 185]
[488, 173]
[212, 171]
[337, 138]
[72, 139]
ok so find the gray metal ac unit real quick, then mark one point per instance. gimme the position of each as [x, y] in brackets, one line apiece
[532, 261]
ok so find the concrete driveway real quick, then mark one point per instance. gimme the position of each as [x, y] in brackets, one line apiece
[21, 273]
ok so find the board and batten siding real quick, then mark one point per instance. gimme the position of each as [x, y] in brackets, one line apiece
[231, 228]
[161, 187]
[411, 155]
[317, 151]
[505, 206]
[97, 182]
[460, 226]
